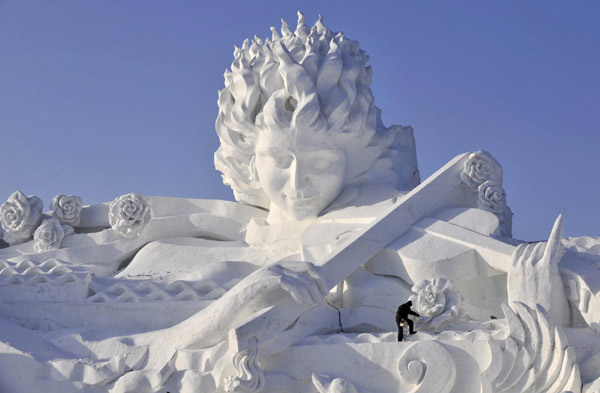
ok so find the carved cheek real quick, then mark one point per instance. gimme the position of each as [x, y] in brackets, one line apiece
[332, 181]
[273, 181]
[278, 178]
[299, 176]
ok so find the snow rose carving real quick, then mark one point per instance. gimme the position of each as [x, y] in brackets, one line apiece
[67, 208]
[491, 197]
[129, 214]
[20, 215]
[479, 168]
[50, 235]
[436, 301]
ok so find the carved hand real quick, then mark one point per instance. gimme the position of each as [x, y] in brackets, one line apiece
[263, 288]
[302, 280]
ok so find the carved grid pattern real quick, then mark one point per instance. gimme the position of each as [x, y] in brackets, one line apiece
[146, 291]
[29, 273]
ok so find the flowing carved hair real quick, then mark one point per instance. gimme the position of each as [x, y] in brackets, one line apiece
[314, 86]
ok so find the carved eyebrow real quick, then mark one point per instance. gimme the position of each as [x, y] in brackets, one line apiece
[276, 150]
[330, 153]
[279, 151]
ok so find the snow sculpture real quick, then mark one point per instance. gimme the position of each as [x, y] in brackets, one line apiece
[294, 109]
[129, 214]
[534, 277]
[479, 168]
[249, 377]
[67, 208]
[436, 301]
[326, 384]
[428, 367]
[158, 294]
[46, 282]
[491, 197]
[50, 234]
[536, 356]
[483, 174]
[20, 216]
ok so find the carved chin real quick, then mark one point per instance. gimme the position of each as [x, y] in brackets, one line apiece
[296, 210]
[302, 213]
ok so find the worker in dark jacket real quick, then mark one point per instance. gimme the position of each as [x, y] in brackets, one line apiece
[402, 319]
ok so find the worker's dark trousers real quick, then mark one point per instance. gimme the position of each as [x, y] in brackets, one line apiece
[401, 329]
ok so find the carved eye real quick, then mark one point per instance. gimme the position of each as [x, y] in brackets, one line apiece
[282, 161]
[321, 163]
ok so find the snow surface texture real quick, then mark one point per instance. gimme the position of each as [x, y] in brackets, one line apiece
[157, 294]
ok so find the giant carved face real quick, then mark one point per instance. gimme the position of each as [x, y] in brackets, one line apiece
[299, 180]
[297, 122]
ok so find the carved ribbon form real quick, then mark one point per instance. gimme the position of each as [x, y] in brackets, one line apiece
[250, 377]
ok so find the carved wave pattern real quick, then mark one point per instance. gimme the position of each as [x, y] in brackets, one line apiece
[250, 377]
[148, 291]
[536, 356]
[29, 273]
[533, 357]
[426, 366]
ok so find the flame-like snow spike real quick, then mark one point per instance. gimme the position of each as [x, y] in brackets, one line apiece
[302, 29]
[285, 28]
[275, 34]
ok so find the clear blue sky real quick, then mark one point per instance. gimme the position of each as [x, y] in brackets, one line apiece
[101, 98]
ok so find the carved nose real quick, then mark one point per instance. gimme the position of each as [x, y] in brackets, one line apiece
[296, 180]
